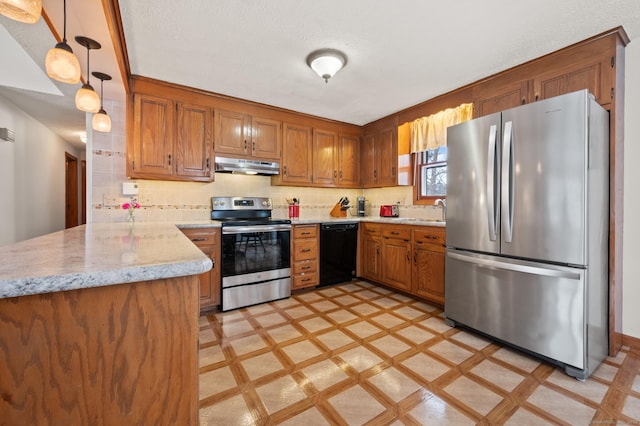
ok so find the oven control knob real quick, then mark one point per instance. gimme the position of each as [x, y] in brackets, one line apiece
[222, 203]
[215, 203]
[264, 203]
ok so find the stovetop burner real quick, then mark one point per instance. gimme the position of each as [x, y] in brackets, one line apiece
[244, 211]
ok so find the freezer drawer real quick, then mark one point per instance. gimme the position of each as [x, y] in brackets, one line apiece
[535, 306]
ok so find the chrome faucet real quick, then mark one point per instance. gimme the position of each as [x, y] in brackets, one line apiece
[444, 207]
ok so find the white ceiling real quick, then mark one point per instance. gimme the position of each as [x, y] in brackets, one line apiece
[399, 53]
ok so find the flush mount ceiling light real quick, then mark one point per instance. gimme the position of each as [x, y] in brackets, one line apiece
[101, 121]
[27, 11]
[61, 63]
[326, 62]
[86, 98]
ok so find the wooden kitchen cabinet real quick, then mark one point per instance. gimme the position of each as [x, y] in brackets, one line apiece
[296, 155]
[170, 140]
[305, 262]
[208, 240]
[498, 96]
[380, 158]
[371, 252]
[396, 256]
[335, 159]
[242, 135]
[429, 263]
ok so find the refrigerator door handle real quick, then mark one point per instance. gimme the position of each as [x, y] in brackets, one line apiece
[507, 183]
[516, 267]
[491, 180]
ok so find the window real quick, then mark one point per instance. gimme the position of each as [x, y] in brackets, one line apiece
[431, 176]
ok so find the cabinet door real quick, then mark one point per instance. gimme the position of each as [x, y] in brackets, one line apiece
[231, 133]
[368, 163]
[349, 161]
[371, 265]
[153, 135]
[593, 74]
[208, 240]
[325, 171]
[193, 148]
[492, 99]
[296, 154]
[396, 263]
[387, 153]
[266, 138]
[428, 273]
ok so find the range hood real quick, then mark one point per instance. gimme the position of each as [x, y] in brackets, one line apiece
[246, 167]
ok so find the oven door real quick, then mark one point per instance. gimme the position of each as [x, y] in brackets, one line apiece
[256, 264]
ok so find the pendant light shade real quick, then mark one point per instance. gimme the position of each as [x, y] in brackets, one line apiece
[101, 122]
[61, 63]
[86, 98]
[326, 62]
[27, 11]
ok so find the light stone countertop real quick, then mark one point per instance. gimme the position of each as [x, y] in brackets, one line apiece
[96, 255]
[386, 220]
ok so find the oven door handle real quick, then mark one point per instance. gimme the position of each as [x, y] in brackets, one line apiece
[258, 228]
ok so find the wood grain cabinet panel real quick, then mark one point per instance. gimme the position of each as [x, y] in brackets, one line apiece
[371, 251]
[296, 155]
[305, 249]
[491, 98]
[325, 164]
[208, 240]
[349, 161]
[429, 263]
[396, 258]
[152, 136]
[379, 162]
[170, 140]
[243, 135]
[117, 355]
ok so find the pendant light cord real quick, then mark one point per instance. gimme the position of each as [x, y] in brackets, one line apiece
[101, 89]
[64, 26]
[88, 69]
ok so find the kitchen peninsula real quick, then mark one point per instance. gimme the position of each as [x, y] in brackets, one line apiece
[99, 324]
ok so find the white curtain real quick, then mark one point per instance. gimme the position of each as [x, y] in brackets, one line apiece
[431, 132]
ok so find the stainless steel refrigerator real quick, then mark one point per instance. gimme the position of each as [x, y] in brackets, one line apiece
[527, 229]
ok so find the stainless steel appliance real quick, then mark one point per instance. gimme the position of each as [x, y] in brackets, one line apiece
[256, 254]
[361, 206]
[527, 229]
[247, 167]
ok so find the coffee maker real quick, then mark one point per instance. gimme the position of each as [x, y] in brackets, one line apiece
[361, 208]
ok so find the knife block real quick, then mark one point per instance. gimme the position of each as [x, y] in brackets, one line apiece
[336, 211]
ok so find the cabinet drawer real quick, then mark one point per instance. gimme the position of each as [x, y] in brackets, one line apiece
[201, 237]
[371, 228]
[305, 267]
[428, 235]
[305, 232]
[306, 249]
[306, 280]
[397, 232]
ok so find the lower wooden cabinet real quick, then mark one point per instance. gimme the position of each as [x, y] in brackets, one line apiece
[428, 263]
[208, 240]
[408, 258]
[305, 261]
[396, 257]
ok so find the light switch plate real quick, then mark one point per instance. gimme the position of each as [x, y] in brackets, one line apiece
[129, 188]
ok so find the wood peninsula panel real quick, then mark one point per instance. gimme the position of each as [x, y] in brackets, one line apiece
[122, 354]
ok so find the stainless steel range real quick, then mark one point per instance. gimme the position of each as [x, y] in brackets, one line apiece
[256, 256]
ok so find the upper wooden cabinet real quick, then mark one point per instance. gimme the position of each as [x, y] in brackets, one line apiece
[296, 164]
[335, 159]
[380, 158]
[490, 98]
[170, 140]
[243, 135]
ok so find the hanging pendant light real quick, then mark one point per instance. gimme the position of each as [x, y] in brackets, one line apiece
[27, 11]
[86, 98]
[101, 122]
[61, 63]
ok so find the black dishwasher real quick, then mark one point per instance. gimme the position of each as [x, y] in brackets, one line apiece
[338, 245]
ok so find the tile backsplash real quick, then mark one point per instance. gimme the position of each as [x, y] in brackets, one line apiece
[177, 201]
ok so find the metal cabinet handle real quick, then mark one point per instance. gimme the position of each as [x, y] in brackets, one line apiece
[340, 174]
[306, 267]
[335, 173]
[305, 250]
[169, 159]
[395, 233]
[415, 257]
[306, 279]
[200, 239]
[245, 144]
[208, 164]
[375, 174]
[253, 145]
[393, 171]
[284, 170]
[306, 233]
[408, 257]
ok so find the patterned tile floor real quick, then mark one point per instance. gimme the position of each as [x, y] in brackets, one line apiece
[360, 354]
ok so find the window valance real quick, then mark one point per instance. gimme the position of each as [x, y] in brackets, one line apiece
[431, 132]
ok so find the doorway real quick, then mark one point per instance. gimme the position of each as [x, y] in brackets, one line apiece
[71, 190]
